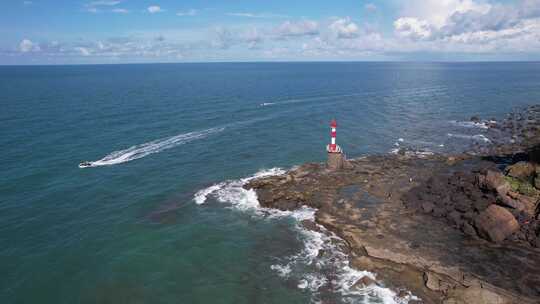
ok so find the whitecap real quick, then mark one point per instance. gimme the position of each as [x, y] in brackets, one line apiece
[312, 282]
[201, 195]
[477, 137]
[233, 192]
[471, 124]
[282, 270]
[394, 151]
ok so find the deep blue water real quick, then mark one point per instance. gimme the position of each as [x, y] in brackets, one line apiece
[130, 232]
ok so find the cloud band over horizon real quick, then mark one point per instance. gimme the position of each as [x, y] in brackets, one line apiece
[419, 30]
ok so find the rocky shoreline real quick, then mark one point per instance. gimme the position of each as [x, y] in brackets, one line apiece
[450, 228]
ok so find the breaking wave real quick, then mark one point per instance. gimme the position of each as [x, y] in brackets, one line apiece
[472, 124]
[155, 146]
[476, 137]
[232, 192]
[322, 266]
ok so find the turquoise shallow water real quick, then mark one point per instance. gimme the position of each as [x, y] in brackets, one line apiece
[129, 230]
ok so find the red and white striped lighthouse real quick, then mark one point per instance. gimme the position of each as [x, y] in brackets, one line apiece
[333, 147]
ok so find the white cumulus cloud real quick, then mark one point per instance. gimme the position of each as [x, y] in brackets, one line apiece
[154, 9]
[344, 28]
[436, 12]
[412, 28]
[471, 26]
[27, 45]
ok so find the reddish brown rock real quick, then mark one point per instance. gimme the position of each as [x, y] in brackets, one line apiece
[364, 282]
[495, 181]
[528, 204]
[523, 171]
[496, 223]
[510, 202]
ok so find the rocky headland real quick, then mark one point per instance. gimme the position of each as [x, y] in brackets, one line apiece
[449, 228]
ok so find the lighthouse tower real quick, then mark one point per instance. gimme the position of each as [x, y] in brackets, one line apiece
[332, 147]
[336, 158]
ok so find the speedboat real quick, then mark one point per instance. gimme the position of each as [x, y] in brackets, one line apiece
[85, 164]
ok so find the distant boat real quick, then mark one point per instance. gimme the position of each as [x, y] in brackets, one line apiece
[85, 164]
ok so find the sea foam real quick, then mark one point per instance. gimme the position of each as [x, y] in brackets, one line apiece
[476, 137]
[472, 124]
[321, 266]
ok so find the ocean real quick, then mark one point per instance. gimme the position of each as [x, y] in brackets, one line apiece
[161, 215]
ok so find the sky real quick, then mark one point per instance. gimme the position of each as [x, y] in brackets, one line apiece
[141, 31]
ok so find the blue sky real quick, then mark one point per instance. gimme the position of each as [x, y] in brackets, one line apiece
[122, 31]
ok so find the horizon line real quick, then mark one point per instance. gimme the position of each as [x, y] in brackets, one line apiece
[274, 61]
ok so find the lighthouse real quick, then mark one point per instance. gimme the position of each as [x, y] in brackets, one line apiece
[333, 147]
[336, 158]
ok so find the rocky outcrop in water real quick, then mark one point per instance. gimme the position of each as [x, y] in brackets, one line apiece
[452, 229]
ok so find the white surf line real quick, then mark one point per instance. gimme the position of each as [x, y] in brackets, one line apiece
[155, 146]
[307, 266]
[472, 124]
[233, 192]
[477, 137]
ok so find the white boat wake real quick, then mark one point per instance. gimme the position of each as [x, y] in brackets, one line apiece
[155, 146]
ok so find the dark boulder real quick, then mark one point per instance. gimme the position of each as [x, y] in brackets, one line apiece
[534, 154]
[463, 206]
[310, 225]
[468, 230]
[481, 205]
[439, 212]
[455, 218]
[427, 207]
[537, 178]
